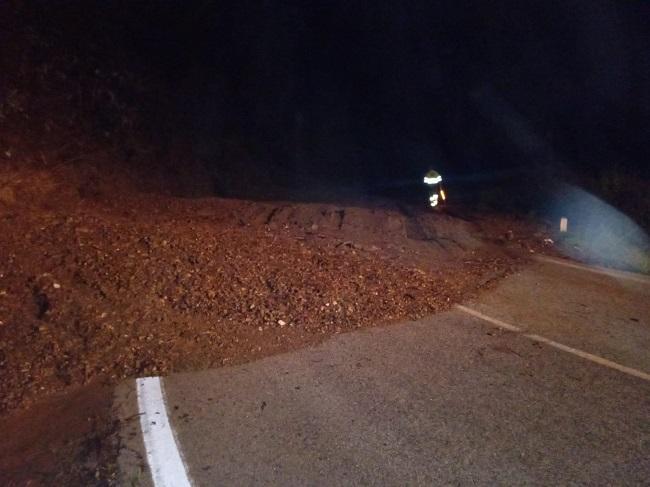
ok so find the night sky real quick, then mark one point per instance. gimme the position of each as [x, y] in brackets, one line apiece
[374, 93]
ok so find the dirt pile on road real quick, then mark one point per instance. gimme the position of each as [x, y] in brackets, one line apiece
[104, 291]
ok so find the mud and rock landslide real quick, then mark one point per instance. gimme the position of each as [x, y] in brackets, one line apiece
[104, 275]
[99, 289]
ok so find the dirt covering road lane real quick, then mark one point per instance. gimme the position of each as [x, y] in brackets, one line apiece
[101, 290]
[99, 284]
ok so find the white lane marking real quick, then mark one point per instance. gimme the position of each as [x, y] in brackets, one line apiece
[630, 276]
[565, 348]
[164, 458]
[494, 321]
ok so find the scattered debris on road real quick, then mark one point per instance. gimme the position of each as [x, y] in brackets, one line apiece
[95, 291]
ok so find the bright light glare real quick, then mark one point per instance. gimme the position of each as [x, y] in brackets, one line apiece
[443, 195]
[595, 231]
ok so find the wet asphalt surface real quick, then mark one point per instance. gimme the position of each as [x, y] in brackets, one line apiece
[446, 400]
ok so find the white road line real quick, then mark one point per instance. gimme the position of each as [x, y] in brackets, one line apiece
[630, 276]
[164, 458]
[494, 321]
[565, 348]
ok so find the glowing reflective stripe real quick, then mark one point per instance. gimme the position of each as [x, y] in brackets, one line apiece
[442, 194]
[435, 180]
[434, 203]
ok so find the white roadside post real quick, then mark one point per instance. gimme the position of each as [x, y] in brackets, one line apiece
[564, 224]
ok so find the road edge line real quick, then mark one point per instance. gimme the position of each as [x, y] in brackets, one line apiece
[163, 456]
[565, 348]
[494, 321]
[631, 276]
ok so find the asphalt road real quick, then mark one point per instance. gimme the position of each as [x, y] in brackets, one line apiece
[452, 399]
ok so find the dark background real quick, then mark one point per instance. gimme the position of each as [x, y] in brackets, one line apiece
[370, 95]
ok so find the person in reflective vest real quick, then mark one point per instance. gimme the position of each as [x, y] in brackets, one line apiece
[437, 195]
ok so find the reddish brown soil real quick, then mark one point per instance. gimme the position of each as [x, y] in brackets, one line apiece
[104, 290]
[97, 287]
[66, 440]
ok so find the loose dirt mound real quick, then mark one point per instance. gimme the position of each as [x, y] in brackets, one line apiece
[139, 285]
